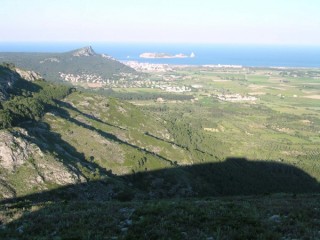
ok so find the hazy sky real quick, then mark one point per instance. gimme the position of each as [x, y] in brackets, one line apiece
[187, 21]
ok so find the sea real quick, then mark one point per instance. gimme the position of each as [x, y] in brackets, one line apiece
[203, 54]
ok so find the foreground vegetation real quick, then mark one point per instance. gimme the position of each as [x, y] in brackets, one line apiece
[263, 217]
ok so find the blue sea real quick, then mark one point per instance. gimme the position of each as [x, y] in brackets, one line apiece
[245, 55]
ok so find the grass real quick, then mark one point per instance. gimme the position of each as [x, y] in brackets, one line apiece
[256, 217]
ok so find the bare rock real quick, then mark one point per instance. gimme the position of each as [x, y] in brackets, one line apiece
[28, 75]
[14, 149]
[55, 171]
[84, 52]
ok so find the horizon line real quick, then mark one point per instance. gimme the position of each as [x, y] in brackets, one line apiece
[88, 43]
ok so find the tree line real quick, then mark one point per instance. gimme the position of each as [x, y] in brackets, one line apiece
[129, 96]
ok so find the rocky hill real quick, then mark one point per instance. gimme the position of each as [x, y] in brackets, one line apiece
[84, 52]
[75, 66]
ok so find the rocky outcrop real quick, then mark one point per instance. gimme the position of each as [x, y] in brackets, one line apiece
[84, 52]
[15, 150]
[24, 160]
[55, 172]
[28, 75]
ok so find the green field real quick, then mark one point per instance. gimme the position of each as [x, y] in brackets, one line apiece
[282, 123]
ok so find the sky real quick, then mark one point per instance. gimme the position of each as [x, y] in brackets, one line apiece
[294, 22]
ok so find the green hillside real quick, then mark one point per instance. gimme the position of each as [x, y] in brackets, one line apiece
[78, 62]
[83, 160]
[89, 137]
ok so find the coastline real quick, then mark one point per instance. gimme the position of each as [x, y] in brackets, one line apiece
[265, 56]
[145, 64]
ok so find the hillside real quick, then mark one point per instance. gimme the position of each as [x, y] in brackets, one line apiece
[46, 138]
[55, 136]
[81, 154]
[80, 65]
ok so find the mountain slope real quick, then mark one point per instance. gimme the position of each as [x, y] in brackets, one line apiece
[53, 136]
[77, 165]
[81, 63]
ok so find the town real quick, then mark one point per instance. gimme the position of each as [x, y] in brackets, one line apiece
[125, 80]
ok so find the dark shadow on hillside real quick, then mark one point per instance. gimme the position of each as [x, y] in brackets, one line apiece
[65, 114]
[232, 177]
[24, 87]
[20, 85]
[228, 178]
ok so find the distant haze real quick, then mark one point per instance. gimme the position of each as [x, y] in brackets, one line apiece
[294, 22]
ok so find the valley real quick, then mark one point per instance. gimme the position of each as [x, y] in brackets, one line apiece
[266, 113]
[243, 140]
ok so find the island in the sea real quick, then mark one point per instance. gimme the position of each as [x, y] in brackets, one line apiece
[164, 55]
